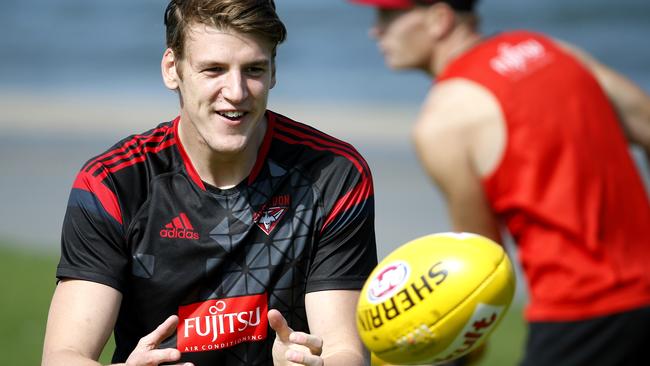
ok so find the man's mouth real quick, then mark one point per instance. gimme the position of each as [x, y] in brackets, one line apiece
[232, 115]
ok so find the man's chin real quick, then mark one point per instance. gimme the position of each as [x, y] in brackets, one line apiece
[228, 148]
[397, 66]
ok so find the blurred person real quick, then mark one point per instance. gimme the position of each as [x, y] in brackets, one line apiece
[526, 131]
[231, 235]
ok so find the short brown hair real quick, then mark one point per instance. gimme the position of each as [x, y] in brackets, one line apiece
[256, 17]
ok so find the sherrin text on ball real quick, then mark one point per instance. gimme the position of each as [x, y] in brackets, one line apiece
[435, 298]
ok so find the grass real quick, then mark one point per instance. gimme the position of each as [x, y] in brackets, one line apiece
[505, 345]
[28, 281]
[27, 285]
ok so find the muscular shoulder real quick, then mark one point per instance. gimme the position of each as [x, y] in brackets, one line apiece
[315, 151]
[334, 168]
[120, 177]
[462, 115]
[150, 148]
[457, 104]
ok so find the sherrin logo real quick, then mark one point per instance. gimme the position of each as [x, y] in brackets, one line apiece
[398, 295]
[388, 281]
[222, 323]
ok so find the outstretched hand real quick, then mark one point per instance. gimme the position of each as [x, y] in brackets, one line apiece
[146, 353]
[294, 348]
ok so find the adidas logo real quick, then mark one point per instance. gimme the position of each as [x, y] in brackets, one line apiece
[179, 228]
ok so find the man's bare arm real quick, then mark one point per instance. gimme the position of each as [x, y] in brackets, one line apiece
[333, 340]
[81, 319]
[451, 127]
[332, 316]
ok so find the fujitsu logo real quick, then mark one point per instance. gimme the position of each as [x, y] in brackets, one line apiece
[179, 228]
[223, 323]
[268, 216]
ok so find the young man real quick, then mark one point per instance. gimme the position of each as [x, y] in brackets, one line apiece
[526, 131]
[231, 235]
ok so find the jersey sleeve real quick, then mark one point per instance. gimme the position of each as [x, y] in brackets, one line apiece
[346, 252]
[92, 240]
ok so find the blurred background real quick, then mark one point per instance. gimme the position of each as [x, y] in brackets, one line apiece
[77, 75]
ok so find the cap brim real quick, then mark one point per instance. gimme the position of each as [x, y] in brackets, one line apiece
[386, 4]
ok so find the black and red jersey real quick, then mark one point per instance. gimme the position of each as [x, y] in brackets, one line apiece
[140, 219]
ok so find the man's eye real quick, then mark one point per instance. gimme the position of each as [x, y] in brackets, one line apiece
[214, 70]
[256, 71]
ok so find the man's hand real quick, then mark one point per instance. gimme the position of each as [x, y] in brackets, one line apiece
[294, 348]
[146, 353]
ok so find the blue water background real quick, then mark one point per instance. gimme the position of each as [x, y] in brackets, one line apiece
[83, 46]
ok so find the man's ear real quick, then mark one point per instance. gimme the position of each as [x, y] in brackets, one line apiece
[169, 69]
[441, 18]
[272, 74]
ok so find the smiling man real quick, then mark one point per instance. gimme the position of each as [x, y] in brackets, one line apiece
[231, 235]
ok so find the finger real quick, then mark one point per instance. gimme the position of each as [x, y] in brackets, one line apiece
[314, 343]
[164, 330]
[279, 324]
[303, 358]
[155, 357]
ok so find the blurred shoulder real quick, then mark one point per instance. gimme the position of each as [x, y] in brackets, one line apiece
[459, 105]
[461, 118]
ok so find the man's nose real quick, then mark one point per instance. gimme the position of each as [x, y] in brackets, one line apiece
[235, 88]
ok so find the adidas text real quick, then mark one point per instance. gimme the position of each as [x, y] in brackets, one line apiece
[179, 234]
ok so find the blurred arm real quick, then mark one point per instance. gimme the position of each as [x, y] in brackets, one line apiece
[331, 315]
[630, 101]
[450, 140]
[80, 321]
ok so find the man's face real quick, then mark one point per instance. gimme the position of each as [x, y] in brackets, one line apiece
[402, 37]
[224, 81]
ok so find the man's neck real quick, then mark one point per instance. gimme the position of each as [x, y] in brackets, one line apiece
[457, 43]
[220, 169]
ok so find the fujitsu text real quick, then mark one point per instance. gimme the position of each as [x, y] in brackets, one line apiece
[220, 322]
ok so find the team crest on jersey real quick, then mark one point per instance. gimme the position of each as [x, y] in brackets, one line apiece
[270, 214]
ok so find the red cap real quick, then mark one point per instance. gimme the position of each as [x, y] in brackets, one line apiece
[387, 4]
[465, 5]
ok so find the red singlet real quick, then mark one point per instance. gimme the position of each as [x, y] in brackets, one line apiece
[566, 186]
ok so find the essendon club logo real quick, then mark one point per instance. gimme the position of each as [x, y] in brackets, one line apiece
[179, 228]
[268, 216]
[222, 323]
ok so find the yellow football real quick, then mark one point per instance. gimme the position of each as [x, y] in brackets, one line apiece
[435, 298]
